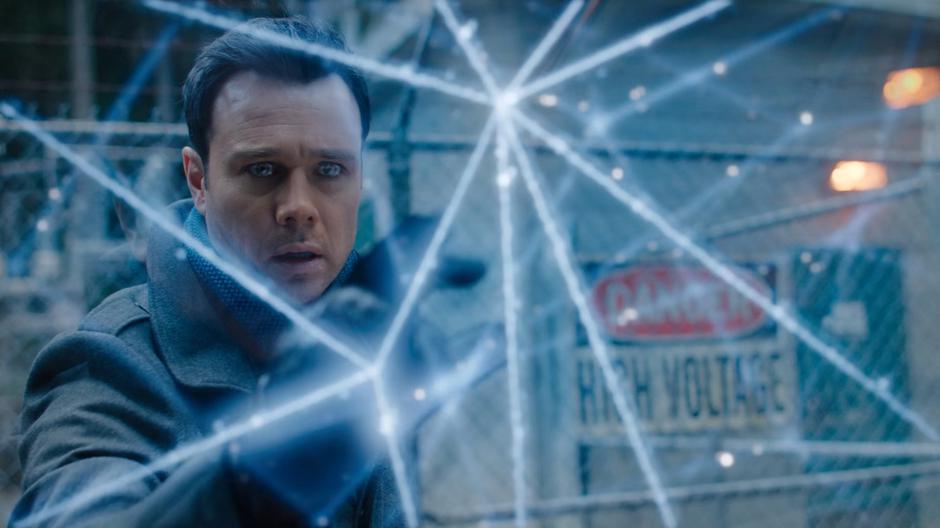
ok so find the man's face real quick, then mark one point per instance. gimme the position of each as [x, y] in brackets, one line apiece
[284, 178]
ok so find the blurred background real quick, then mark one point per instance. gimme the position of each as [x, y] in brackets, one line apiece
[797, 141]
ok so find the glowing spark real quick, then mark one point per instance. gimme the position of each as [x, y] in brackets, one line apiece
[641, 39]
[637, 93]
[806, 118]
[248, 282]
[680, 239]
[616, 173]
[420, 394]
[55, 194]
[720, 68]
[725, 459]
[401, 73]
[596, 341]
[884, 383]
[505, 177]
[510, 302]
[733, 171]
[387, 424]
[627, 315]
[42, 225]
[467, 30]
[434, 246]
[548, 100]
[181, 454]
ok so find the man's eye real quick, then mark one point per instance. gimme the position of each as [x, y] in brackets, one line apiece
[329, 169]
[261, 170]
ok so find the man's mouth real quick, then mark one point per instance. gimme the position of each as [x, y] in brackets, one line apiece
[299, 258]
[296, 257]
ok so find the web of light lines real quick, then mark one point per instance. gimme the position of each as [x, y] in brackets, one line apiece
[505, 117]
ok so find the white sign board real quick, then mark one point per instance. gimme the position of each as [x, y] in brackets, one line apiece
[691, 352]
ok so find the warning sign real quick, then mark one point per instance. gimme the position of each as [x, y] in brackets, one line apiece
[678, 302]
[690, 351]
[690, 388]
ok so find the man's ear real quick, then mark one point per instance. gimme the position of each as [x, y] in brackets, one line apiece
[195, 171]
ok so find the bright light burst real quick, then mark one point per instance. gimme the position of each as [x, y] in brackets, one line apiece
[503, 123]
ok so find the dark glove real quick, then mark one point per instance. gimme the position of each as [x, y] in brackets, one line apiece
[318, 465]
[312, 467]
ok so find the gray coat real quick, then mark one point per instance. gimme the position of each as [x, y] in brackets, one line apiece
[146, 372]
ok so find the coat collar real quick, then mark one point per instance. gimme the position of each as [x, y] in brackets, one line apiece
[189, 330]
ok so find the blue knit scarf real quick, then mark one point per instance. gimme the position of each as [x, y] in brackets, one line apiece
[254, 315]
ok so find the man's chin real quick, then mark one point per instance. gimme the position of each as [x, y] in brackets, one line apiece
[302, 292]
[298, 287]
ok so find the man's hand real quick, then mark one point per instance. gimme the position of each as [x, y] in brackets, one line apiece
[315, 466]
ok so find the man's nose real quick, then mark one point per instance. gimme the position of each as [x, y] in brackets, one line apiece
[297, 201]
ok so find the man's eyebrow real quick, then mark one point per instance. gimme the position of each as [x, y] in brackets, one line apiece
[253, 153]
[336, 154]
[264, 152]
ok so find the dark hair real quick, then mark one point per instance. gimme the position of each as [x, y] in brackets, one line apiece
[241, 49]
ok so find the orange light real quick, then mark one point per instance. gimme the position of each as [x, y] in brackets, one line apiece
[850, 176]
[911, 87]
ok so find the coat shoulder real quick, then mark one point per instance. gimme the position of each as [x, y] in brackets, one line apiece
[115, 333]
[118, 311]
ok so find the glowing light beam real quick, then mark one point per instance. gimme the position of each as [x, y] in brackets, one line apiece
[401, 73]
[644, 38]
[598, 346]
[684, 242]
[504, 179]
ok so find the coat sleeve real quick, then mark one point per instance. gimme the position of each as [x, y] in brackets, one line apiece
[97, 414]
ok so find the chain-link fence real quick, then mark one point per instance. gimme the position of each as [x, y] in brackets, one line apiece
[747, 423]
[773, 337]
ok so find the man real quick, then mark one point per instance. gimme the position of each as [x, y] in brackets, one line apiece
[275, 173]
